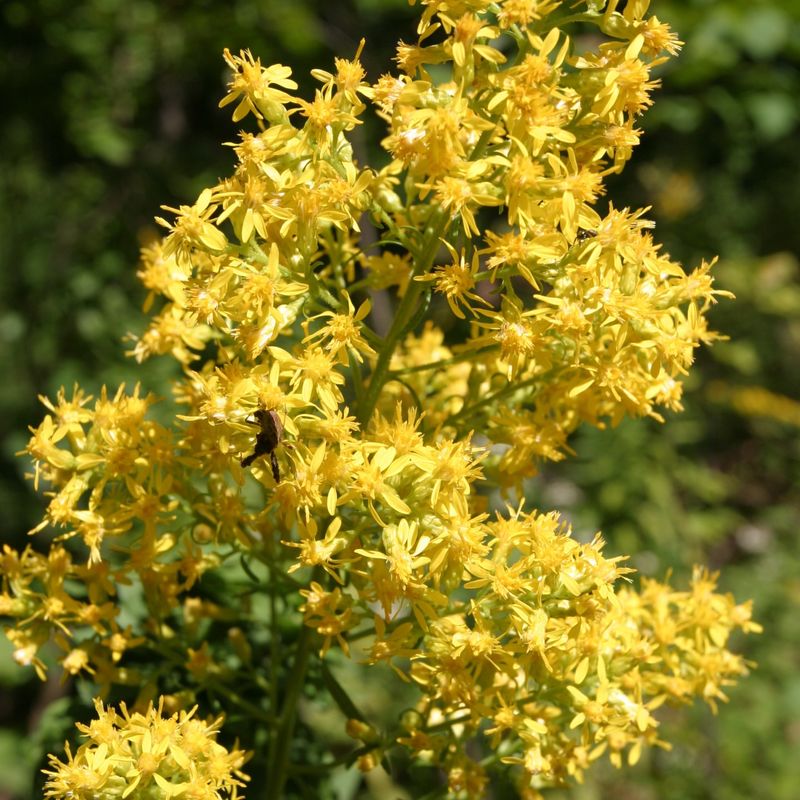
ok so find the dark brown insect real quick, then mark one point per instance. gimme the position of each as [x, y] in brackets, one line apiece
[267, 439]
[584, 235]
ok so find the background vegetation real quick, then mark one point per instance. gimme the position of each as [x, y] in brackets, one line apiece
[111, 109]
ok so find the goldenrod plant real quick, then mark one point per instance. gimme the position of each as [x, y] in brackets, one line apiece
[336, 485]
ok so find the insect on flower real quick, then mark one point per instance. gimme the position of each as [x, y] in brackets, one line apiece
[267, 439]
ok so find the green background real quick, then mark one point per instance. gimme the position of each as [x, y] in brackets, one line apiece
[111, 110]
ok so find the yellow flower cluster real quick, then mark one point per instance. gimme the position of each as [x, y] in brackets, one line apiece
[340, 460]
[146, 755]
[561, 667]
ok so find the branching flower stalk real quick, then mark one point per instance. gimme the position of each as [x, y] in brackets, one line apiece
[217, 563]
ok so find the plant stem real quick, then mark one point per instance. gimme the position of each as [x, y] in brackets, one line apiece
[274, 659]
[509, 388]
[445, 362]
[405, 313]
[278, 768]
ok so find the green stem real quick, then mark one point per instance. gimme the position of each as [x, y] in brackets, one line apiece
[482, 144]
[445, 362]
[407, 308]
[254, 711]
[405, 313]
[509, 388]
[279, 763]
[274, 659]
[442, 726]
[358, 381]
[410, 389]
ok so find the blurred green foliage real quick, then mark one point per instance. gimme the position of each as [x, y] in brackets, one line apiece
[111, 110]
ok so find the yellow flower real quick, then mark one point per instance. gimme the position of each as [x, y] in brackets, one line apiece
[459, 195]
[402, 547]
[331, 614]
[524, 12]
[456, 280]
[192, 230]
[126, 754]
[349, 78]
[343, 332]
[319, 552]
[313, 373]
[256, 86]
[370, 481]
